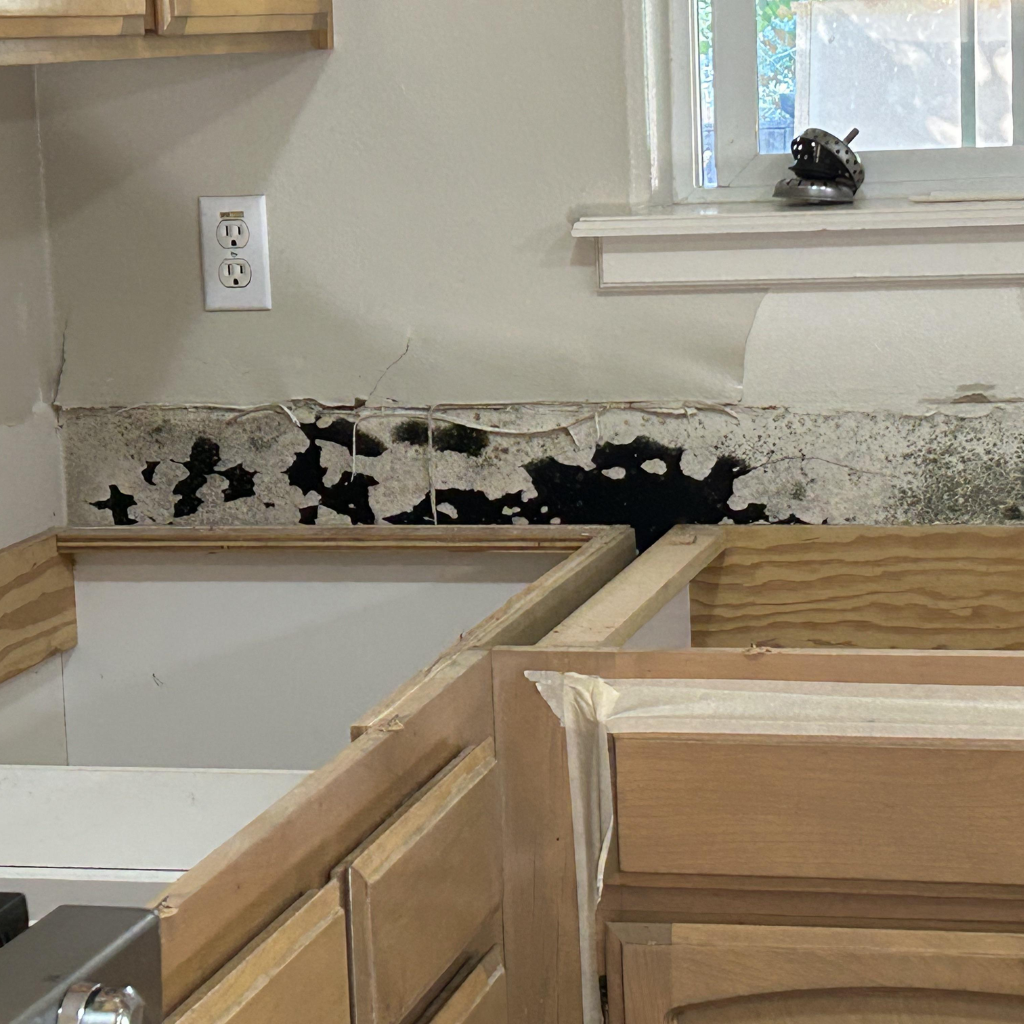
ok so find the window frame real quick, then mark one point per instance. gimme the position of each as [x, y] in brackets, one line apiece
[745, 174]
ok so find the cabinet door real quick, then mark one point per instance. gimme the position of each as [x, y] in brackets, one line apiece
[732, 974]
[28, 19]
[229, 17]
[424, 895]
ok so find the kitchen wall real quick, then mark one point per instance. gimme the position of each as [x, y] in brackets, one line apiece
[421, 182]
[31, 486]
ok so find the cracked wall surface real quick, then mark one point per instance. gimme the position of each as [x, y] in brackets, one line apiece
[647, 467]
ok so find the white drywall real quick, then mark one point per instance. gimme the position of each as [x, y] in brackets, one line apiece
[31, 495]
[32, 716]
[421, 181]
[239, 660]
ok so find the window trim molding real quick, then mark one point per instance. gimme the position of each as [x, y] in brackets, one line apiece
[727, 247]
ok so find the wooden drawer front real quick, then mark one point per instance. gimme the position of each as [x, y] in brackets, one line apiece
[229, 17]
[296, 970]
[480, 999]
[727, 974]
[820, 809]
[423, 892]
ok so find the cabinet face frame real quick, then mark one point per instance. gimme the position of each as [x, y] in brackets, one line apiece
[230, 897]
[58, 31]
[542, 952]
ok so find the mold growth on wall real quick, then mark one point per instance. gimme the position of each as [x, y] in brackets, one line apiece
[649, 468]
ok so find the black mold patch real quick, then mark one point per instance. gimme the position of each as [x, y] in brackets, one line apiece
[341, 432]
[307, 515]
[453, 437]
[240, 483]
[350, 496]
[413, 432]
[649, 502]
[201, 465]
[118, 504]
[147, 473]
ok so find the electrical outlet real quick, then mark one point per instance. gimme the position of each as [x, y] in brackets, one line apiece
[236, 255]
[233, 233]
[236, 273]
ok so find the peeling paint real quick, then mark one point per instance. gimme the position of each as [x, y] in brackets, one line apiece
[571, 464]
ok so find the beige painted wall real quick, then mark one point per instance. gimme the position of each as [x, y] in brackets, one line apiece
[421, 181]
[31, 496]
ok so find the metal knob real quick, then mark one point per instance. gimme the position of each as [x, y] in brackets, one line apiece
[88, 1003]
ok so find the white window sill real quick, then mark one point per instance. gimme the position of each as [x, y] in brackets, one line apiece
[735, 246]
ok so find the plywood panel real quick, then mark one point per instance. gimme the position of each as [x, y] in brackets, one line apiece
[296, 969]
[806, 586]
[37, 604]
[223, 902]
[480, 999]
[421, 892]
[721, 974]
[935, 811]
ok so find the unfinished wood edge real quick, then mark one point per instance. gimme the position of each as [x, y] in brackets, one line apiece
[340, 538]
[234, 892]
[54, 634]
[641, 590]
[810, 664]
[470, 991]
[306, 910]
[613, 974]
[583, 572]
[342, 868]
[61, 50]
[394, 710]
[587, 568]
[444, 791]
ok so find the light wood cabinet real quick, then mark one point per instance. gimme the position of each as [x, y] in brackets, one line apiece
[726, 974]
[231, 17]
[49, 31]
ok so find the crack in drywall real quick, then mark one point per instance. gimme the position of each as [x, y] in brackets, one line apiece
[58, 380]
[387, 369]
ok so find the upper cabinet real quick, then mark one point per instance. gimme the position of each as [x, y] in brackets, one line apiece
[231, 17]
[47, 31]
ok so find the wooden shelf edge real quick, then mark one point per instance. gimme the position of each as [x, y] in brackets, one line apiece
[60, 50]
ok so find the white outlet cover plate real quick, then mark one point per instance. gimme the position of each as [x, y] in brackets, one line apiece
[256, 252]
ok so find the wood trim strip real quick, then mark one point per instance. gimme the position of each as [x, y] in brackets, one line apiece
[300, 961]
[641, 590]
[339, 538]
[528, 615]
[37, 604]
[222, 903]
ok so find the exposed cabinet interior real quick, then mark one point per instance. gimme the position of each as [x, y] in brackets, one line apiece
[51, 31]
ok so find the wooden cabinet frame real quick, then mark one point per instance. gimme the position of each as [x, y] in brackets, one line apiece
[55, 31]
[796, 603]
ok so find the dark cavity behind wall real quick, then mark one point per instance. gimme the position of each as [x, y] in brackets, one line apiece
[617, 490]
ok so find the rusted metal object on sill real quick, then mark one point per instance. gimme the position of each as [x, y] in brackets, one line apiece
[827, 170]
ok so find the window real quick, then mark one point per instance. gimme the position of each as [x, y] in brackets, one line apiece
[933, 86]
